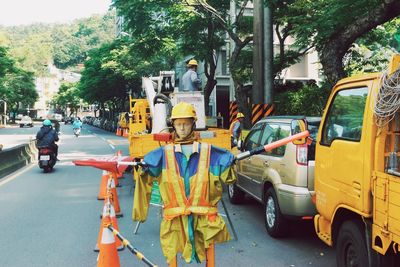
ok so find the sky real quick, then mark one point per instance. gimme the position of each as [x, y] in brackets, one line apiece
[24, 12]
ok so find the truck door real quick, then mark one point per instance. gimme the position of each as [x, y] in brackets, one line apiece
[340, 152]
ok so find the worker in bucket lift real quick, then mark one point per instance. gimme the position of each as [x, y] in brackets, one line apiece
[190, 80]
[189, 175]
[236, 129]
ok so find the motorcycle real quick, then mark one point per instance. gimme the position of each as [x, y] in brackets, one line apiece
[47, 159]
[77, 131]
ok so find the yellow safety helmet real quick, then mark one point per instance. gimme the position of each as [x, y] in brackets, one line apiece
[183, 110]
[192, 62]
[240, 115]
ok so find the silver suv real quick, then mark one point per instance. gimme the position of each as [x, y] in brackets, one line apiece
[281, 179]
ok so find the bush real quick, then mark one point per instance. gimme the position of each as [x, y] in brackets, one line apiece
[309, 100]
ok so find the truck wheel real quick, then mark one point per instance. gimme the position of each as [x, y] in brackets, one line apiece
[235, 194]
[351, 246]
[275, 223]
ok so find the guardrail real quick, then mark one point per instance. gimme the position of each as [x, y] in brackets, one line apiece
[12, 159]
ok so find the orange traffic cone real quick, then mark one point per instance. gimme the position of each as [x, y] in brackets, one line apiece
[116, 178]
[108, 211]
[118, 131]
[114, 199]
[126, 132]
[108, 256]
[103, 185]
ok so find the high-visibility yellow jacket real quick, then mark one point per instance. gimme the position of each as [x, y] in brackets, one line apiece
[236, 129]
[190, 188]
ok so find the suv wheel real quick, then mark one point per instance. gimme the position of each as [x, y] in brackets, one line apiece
[275, 223]
[235, 195]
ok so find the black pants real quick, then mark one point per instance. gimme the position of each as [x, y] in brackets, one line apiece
[55, 148]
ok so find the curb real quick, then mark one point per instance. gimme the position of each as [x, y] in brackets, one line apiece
[14, 158]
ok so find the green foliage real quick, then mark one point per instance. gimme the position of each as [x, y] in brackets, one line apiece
[372, 51]
[16, 85]
[101, 84]
[19, 89]
[35, 46]
[73, 42]
[67, 96]
[309, 100]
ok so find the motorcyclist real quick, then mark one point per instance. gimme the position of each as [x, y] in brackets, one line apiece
[77, 124]
[47, 136]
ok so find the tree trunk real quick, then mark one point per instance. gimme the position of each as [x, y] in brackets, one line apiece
[333, 50]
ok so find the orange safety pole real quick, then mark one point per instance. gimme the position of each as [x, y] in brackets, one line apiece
[272, 145]
[173, 263]
[210, 256]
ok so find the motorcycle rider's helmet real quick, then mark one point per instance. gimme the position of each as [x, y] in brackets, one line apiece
[46, 123]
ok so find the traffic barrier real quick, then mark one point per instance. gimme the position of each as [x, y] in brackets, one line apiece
[260, 111]
[108, 210]
[108, 256]
[103, 186]
[130, 247]
[233, 111]
[12, 159]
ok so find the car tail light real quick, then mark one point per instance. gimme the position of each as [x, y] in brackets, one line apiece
[301, 154]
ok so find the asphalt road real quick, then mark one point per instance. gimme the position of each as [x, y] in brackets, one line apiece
[53, 219]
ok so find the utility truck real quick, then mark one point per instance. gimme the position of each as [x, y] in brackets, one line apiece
[357, 175]
[149, 124]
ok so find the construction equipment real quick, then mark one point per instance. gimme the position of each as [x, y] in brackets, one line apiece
[357, 176]
[149, 117]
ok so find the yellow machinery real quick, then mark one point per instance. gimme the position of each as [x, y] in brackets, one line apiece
[357, 170]
[148, 118]
[139, 119]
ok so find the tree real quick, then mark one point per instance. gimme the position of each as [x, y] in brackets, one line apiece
[158, 24]
[71, 43]
[20, 85]
[68, 97]
[333, 26]
[100, 84]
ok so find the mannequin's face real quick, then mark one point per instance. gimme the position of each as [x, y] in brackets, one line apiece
[183, 127]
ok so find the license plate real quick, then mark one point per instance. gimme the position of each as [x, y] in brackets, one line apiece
[45, 157]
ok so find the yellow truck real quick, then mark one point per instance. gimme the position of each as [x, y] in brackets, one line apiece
[357, 175]
[149, 118]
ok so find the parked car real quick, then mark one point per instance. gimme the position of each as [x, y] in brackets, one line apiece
[26, 121]
[68, 120]
[58, 117]
[281, 179]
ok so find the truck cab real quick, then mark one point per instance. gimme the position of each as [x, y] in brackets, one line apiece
[357, 194]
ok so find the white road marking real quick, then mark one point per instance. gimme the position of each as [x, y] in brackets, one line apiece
[11, 177]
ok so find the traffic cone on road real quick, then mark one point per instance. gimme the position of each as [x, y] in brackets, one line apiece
[126, 132]
[103, 186]
[118, 132]
[108, 211]
[108, 256]
[114, 198]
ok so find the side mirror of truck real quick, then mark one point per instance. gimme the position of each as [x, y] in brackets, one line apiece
[298, 126]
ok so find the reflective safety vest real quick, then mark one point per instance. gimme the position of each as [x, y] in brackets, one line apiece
[231, 128]
[198, 202]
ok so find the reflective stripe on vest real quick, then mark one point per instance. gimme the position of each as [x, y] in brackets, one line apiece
[198, 199]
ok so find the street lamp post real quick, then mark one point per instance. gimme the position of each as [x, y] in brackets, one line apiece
[5, 111]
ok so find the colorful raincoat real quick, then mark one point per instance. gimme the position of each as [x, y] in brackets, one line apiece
[191, 189]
